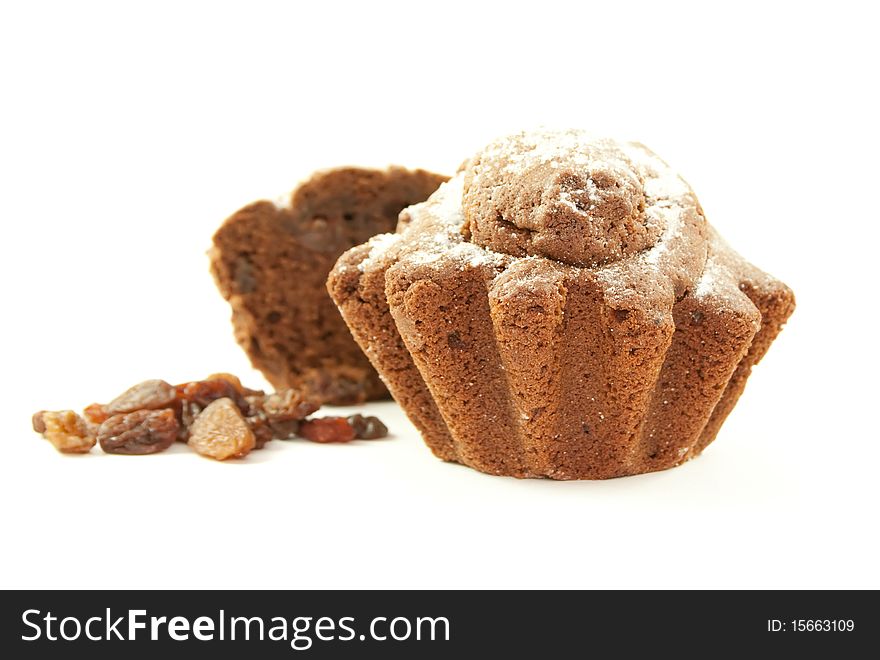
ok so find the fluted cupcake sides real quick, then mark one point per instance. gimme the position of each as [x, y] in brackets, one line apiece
[533, 366]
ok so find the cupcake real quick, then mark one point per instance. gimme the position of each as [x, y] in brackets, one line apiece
[560, 308]
[271, 260]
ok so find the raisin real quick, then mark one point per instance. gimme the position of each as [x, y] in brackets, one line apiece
[203, 392]
[284, 430]
[138, 432]
[150, 416]
[254, 405]
[229, 378]
[279, 413]
[96, 413]
[195, 396]
[367, 428]
[241, 389]
[186, 415]
[38, 422]
[149, 395]
[287, 405]
[67, 431]
[220, 431]
[263, 433]
[327, 429]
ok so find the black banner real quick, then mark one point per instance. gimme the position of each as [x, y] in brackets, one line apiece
[406, 624]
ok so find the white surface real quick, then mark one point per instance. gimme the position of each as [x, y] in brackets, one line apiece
[127, 133]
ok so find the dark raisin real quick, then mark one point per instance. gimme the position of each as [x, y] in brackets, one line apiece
[186, 416]
[284, 430]
[149, 395]
[138, 432]
[203, 392]
[263, 433]
[327, 429]
[375, 429]
[367, 428]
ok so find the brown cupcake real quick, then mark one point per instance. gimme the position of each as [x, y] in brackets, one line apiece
[561, 308]
[271, 261]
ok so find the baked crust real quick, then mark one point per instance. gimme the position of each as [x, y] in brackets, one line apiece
[518, 363]
[271, 260]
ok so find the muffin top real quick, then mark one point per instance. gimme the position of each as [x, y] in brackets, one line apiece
[566, 195]
[611, 212]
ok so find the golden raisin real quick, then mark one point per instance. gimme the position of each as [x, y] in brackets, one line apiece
[67, 431]
[96, 413]
[229, 378]
[220, 431]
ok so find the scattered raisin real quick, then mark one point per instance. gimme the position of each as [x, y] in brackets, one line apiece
[327, 429]
[67, 431]
[263, 433]
[220, 431]
[149, 395]
[139, 432]
[195, 396]
[37, 421]
[229, 378]
[186, 415]
[96, 413]
[254, 405]
[241, 389]
[367, 428]
[287, 405]
[203, 392]
[284, 430]
[218, 417]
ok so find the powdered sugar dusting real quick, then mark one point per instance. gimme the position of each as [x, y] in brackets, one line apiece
[446, 243]
[282, 202]
[716, 273]
[669, 218]
[708, 280]
[436, 234]
[378, 246]
[552, 147]
[661, 182]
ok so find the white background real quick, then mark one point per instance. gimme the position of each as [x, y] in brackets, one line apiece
[131, 130]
